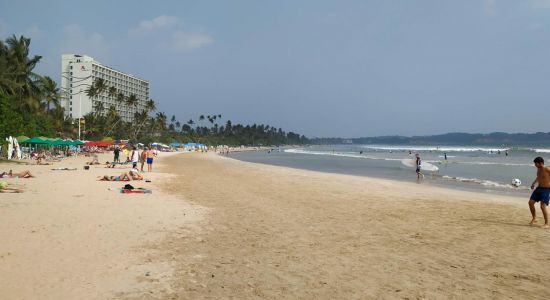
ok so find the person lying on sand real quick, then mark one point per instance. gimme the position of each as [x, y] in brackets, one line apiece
[22, 174]
[95, 161]
[5, 189]
[541, 193]
[126, 176]
[114, 165]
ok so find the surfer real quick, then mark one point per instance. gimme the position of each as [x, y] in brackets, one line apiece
[418, 167]
[542, 192]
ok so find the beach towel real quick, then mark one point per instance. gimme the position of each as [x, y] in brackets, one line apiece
[63, 169]
[136, 191]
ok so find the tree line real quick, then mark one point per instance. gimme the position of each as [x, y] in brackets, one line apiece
[30, 105]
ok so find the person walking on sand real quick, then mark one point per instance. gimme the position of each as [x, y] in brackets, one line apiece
[541, 193]
[116, 152]
[150, 156]
[135, 157]
[418, 167]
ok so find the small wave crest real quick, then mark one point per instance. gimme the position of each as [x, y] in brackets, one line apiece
[339, 154]
[434, 148]
[487, 183]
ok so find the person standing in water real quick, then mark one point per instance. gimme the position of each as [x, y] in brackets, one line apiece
[541, 193]
[418, 167]
[445, 154]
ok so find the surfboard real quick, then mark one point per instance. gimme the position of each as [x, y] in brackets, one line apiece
[10, 147]
[425, 166]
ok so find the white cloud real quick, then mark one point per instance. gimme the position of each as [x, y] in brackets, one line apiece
[76, 40]
[489, 7]
[188, 41]
[170, 33]
[158, 23]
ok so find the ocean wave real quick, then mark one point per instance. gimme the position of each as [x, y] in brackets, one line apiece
[433, 148]
[481, 163]
[339, 154]
[541, 150]
[487, 183]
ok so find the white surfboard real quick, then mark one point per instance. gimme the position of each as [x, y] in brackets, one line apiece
[425, 166]
[18, 153]
[10, 147]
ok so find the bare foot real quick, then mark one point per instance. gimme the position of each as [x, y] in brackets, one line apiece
[545, 226]
[533, 222]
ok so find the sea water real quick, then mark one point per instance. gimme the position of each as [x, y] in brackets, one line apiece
[466, 167]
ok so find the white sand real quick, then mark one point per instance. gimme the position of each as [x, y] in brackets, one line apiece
[69, 237]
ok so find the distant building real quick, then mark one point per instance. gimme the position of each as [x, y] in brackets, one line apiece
[78, 72]
[347, 141]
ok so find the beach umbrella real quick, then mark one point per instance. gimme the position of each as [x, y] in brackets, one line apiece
[22, 139]
[36, 140]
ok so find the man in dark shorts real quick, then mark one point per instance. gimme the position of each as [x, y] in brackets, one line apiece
[117, 154]
[541, 193]
[418, 167]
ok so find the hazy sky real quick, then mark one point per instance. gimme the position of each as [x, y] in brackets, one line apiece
[322, 68]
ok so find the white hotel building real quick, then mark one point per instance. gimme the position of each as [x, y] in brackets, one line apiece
[78, 72]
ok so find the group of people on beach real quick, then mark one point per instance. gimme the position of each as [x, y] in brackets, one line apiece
[136, 156]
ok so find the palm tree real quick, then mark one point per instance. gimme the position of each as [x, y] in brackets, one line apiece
[91, 91]
[161, 121]
[99, 107]
[112, 92]
[100, 86]
[150, 105]
[132, 101]
[50, 92]
[20, 73]
[120, 98]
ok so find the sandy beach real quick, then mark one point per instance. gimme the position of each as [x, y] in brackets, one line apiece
[218, 228]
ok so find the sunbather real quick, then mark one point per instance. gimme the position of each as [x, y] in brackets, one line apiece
[10, 190]
[5, 189]
[95, 161]
[22, 174]
[126, 176]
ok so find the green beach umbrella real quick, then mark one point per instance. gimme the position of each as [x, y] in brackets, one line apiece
[36, 140]
[22, 139]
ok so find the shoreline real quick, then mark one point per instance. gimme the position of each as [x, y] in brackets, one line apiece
[432, 179]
